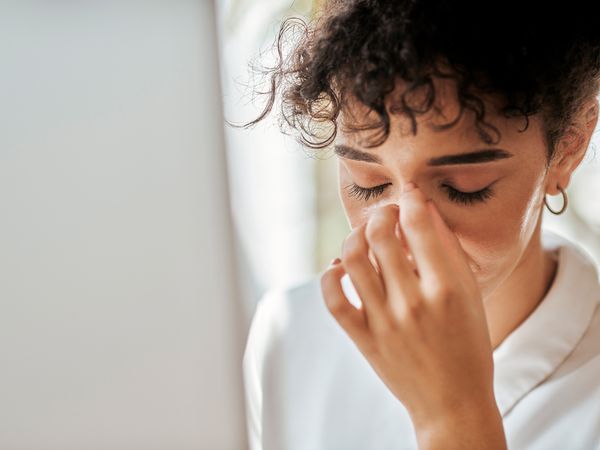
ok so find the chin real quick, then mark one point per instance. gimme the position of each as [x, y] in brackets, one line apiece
[489, 278]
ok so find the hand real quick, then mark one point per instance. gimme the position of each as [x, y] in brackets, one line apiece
[423, 331]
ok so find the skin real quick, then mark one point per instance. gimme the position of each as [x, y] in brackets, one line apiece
[443, 283]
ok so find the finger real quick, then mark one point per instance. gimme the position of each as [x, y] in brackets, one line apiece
[400, 235]
[365, 278]
[399, 278]
[374, 261]
[423, 239]
[352, 320]
[450, 242]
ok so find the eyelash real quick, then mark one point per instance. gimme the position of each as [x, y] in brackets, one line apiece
[354, 190]
[464, 198]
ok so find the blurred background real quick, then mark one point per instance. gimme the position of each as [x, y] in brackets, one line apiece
[106, 297]
[289, 215]
[119, 315]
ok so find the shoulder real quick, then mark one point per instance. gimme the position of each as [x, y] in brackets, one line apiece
[284, 313]
[279, 301]
[291, 324]
[290, 311]
[580, 268]
[579, 288]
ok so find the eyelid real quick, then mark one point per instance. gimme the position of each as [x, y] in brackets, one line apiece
[451, 184]
[446, 185]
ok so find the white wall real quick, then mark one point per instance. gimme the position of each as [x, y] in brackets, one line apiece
[105, 159]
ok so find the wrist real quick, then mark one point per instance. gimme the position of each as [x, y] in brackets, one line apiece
[478, 427]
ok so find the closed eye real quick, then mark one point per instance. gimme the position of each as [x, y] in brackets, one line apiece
[460, 197]
[354, 190]
[468, 198]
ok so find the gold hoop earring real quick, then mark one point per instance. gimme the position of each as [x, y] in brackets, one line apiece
[565, 202]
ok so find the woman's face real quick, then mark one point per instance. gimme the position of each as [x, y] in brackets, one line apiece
[494, 226]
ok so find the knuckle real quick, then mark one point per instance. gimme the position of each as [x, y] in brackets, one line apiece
[335, 308]
[353, 256]
[353, 245]
[378, 230]
[386, 330]
[413, 310]
[334, 305]
[440, 292]
[335, 301]
[369, 348]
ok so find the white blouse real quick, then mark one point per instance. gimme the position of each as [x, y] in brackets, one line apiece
[308, 387]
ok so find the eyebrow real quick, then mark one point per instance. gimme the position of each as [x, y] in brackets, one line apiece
[477, 156]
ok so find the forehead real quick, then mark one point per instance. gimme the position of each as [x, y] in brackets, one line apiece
[444, 110]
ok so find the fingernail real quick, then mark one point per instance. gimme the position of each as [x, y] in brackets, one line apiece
[335, 261]
[409, 187]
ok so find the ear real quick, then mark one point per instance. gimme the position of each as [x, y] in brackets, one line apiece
[572, 147]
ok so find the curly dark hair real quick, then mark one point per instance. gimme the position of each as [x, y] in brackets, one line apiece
[527, 56]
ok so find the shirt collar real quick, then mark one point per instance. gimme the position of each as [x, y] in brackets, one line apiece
[535, 349]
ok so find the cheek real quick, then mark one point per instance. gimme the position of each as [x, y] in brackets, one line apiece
[496, 237]
[354, 208]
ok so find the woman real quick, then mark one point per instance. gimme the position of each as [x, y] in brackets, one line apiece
[451, 320]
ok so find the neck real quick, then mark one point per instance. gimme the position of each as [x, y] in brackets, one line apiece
[519, 295]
